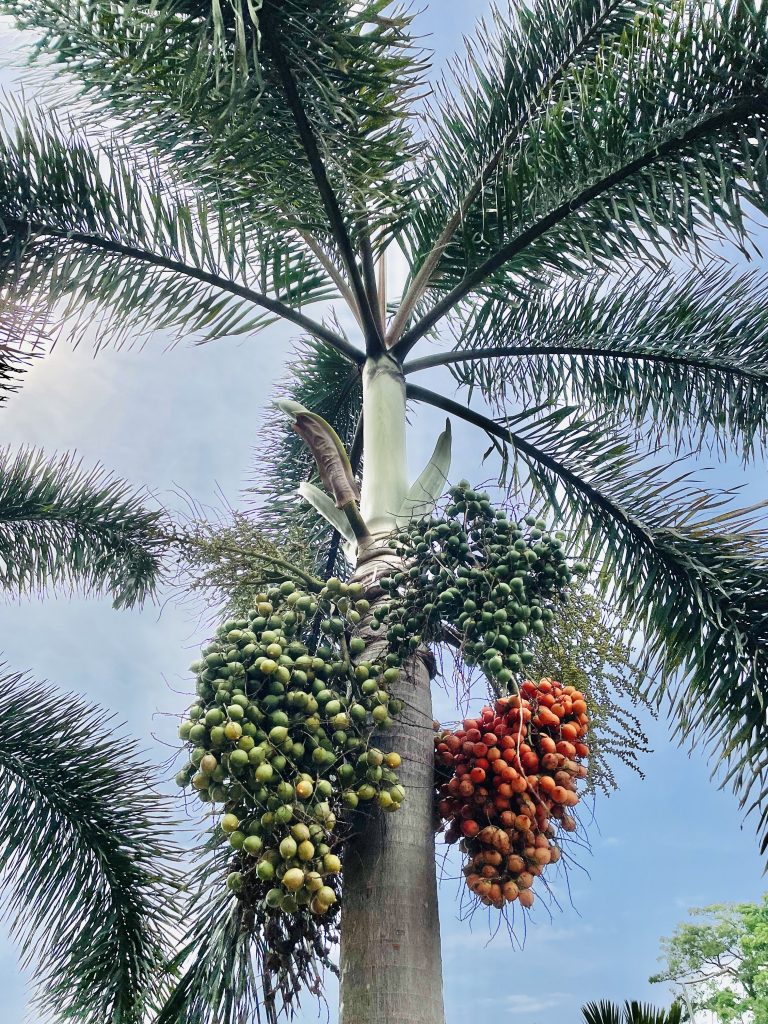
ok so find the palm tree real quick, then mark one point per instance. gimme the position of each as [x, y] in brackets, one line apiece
[630, 1013]
[560, 201]
[86, 863]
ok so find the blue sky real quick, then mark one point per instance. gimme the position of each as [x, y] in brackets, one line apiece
[187, 420]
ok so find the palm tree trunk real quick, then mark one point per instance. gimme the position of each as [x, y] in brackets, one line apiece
[391, 969]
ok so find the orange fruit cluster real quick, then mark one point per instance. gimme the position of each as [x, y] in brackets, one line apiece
[506, 781]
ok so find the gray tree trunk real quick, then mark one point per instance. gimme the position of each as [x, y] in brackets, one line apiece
[391, 969]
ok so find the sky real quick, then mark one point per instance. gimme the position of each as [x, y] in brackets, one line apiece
[187, 420]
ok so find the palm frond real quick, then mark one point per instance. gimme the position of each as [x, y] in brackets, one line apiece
[657, 141]
[324, 382]
[22, 335]
[683, 358]
[517, 57]
[692, 574]
[86, 873]
[602, 1013]
[61, 525]
[202, 85]
[110, 248]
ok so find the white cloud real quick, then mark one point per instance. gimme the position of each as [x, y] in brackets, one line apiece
[521, 1003]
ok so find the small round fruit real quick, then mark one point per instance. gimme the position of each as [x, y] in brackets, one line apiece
[230, 822]
[265, 871]
[238, 759]
[288, 848]
[326, 896]
[233, 730]
[305, 850]
[236, 840]
[253, 845]
[304, 789]
[313, 881]
[274, 898]
[393, 760]
[331, 864]
[293, 879]
[234, 881]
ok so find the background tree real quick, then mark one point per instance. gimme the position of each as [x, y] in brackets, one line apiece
[547, 199]
[719, 963]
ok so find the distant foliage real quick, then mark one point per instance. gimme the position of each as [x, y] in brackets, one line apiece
[719, 963]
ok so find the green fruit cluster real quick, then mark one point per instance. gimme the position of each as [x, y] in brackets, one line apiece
[279, 740]
[492, 580]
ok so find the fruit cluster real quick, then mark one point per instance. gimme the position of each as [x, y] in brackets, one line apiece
[494, 582]
[279, 740]
[505, 783]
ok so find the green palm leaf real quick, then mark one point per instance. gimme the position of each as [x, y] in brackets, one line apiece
[63, 526]
[483, 107]
[107, 246]
[87, 881]
[204, 86]
[21, 336]
[643, 152]
[684, 358]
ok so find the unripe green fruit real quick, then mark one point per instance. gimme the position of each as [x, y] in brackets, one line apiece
[288, 848]
[197, 733]
[253, 845]
[265, 871]
[324, 789]
[264, 773]
[208, 764]
[235, 712]
[238, 759]
[278, 734]
[236, 840]
[230, 822]
[234, 881]
[274, 898]
[356, 645]
[283, 814]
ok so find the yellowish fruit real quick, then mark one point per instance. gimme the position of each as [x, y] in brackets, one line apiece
[293, 879]
[306, 850]
[326, 896]
[393, 760]
[233, 730]
[314, 881]
[331, 864]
